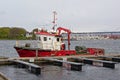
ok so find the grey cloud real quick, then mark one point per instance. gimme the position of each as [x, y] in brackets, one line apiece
[2, 12]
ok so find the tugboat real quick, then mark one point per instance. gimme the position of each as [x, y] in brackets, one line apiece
[49, 44]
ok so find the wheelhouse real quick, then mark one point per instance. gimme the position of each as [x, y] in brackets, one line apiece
[49, 41]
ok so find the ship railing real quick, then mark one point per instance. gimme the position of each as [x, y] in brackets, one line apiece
[32, 44]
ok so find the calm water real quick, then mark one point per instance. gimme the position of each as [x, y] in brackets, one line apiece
[58, 73]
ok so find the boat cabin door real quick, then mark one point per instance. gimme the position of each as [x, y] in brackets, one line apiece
[39, 43]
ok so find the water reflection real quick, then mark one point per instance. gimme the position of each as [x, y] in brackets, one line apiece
[57, 73]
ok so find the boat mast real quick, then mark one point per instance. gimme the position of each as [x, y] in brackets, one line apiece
[54, 20]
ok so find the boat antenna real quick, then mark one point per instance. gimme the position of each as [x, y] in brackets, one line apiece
[54, 20]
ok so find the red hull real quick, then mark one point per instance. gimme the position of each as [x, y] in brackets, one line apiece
[26, 52]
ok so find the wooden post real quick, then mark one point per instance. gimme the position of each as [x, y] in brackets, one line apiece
[36, 53]
[17, 43]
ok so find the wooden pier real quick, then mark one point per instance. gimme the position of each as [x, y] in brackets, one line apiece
[114, 59]
[102, 63]
[29, 66]
[3, 77]
[74, 63]
[67, 64]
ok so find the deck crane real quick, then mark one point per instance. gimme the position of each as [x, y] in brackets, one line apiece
[59, 29]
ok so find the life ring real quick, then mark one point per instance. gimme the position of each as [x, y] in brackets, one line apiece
[100, 52]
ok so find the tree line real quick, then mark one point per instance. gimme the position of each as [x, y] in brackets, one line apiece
[13, 33]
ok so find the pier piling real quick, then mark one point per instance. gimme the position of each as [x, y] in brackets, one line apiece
[95, 62]
[29, 66]
[68, 65]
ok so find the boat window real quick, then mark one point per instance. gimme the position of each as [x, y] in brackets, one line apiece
[57, 39]
[49, 38]
[45, 38]
[39, 38]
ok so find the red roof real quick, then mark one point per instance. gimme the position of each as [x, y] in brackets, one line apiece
[45, 33]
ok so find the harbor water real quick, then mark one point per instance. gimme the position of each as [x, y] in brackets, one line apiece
[58, 73]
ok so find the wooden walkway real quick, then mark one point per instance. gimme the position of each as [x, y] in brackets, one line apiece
[2, 77]
[95, 58]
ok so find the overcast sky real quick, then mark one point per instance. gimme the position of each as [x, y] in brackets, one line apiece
[77, 15]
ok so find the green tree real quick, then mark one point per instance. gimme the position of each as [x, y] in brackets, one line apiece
[17, 33]
[4, 32]
[33, 33]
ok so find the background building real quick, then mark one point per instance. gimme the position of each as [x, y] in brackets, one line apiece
[93, 35]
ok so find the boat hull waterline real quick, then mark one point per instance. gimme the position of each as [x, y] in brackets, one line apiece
[33, 52]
